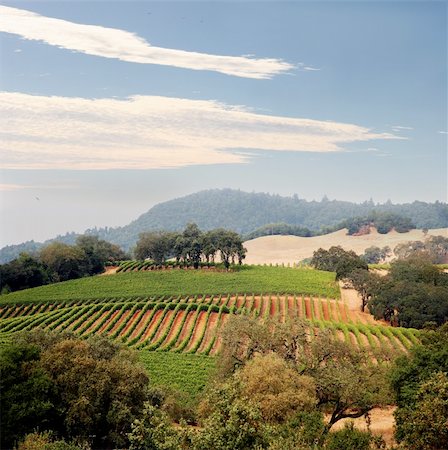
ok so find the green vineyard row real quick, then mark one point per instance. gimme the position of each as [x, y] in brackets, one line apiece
[191, 324]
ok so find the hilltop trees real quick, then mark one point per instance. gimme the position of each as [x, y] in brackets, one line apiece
[58, 262]
[191, 246]
[22, 273]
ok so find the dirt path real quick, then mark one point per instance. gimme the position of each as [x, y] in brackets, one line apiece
[382, 423]
[110, 270]
[353, 301]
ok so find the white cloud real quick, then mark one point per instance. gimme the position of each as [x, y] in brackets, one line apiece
[120, 44]
[144, 132]
[12, 187]
[401, 128]
[443, 132]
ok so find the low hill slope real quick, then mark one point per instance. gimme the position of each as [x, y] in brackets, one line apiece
[292, 249]
[244, 212]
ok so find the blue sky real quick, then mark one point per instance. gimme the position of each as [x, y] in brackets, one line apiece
[111, 107]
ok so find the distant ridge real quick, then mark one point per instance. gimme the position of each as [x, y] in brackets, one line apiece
[244, 212]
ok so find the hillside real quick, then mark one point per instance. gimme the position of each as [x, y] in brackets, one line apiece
[244, 212]
[291, 249]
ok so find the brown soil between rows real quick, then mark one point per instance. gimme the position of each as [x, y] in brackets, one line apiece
[130, 322]
[218, 341]
[96, 322]
[162, 327]
[257, 303]
[199, 326]
[151, 326]
[123, 317]
[142, 323]
[175, 326]
[186, 327]
[111, 318]
[308, 314]
[325, 310]
[210, 331]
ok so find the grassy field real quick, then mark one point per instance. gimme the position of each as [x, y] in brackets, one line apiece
[185, 282]
[181, 372]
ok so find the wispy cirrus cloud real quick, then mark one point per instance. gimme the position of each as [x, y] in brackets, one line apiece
[123, 45]
[147, 132]
[401, 128]
[12, 187]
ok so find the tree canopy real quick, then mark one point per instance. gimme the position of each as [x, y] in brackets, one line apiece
[88, 390]
[338, 260]
[191, 246]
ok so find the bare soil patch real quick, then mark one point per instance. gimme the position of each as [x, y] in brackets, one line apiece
[382, 423]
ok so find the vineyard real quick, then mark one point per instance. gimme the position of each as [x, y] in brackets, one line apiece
[154, 283]
[191, 324]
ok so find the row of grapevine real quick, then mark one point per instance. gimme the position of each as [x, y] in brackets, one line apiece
[192, 324]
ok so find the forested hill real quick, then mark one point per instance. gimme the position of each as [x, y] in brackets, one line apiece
[245, 212]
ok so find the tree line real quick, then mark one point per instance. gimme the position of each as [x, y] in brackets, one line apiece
[191, 246]
[414, 293]
[58, 262]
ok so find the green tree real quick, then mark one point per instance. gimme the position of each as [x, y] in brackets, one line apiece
[154, 431]
[423, 426]
[366, 283]
[66, 261]
[375, 255]
[23, 273]
[338, 260]
[97, 252]
[157, 245]
[26, 393]
[84, 390]
[347, 384]
[230, 422]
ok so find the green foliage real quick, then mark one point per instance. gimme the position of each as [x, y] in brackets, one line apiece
[230, 422]
[154, 432]
[23, 273]
[157, 245]
[26, 392]
[423, 426]
[282, 229]
[435, 248]
[184, 372]
[375, 255]
[349, 438]
[176, 282]
[46, 441]
[347, 384]
[338, 260]
[429, 357]
[88, 390]
[415, 292]
[383, 221]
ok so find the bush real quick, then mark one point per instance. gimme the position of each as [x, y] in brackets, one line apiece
[349, 438]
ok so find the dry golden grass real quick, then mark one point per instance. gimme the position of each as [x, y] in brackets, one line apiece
[291, 249]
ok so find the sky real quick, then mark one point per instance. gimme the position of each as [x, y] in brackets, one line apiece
[110, 107]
